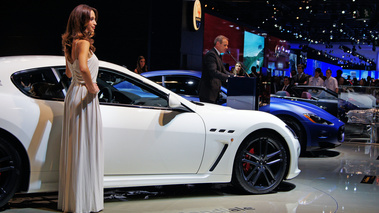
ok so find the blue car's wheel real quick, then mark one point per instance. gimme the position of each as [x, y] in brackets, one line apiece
[298, 129]
[260, 164]
[10, 171]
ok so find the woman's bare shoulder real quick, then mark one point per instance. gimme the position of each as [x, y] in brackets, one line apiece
[83, 43]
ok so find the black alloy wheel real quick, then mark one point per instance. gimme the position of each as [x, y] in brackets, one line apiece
[300, 133]
[260, 164]
[10, 171]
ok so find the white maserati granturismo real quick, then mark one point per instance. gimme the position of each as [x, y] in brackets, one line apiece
[152, 136]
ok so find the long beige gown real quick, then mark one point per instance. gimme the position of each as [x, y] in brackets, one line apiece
[81, 157]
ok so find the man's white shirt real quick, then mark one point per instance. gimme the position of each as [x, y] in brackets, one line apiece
[316, 81]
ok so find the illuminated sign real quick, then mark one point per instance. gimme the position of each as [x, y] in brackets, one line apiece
[196, 15]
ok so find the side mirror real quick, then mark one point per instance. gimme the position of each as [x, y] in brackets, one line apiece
[173, 102]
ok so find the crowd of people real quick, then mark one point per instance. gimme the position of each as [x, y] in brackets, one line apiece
[333, 83]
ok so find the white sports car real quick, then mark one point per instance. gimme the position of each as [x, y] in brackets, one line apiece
[152, 136]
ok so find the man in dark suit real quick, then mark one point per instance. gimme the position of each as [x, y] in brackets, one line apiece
[214, 72]
[301, 78]
[286, 84]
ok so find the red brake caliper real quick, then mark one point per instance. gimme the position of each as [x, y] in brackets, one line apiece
[246, 166]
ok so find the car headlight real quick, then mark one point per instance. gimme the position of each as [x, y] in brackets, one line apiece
[317, 119]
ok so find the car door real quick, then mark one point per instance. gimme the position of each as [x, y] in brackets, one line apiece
[46, 89]
[142, 135]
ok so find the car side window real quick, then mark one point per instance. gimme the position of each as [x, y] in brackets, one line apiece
[157, 79]
[118, 88]
[44, 83]
[321, 94]
[183, 85]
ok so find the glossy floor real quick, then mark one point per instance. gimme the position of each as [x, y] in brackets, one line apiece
[345, 179]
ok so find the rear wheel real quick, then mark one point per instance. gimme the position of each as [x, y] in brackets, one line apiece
[260, 164]
[10, 171]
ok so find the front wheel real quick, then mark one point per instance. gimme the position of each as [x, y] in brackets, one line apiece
[299, 131]
[260, 164]
[10, 171]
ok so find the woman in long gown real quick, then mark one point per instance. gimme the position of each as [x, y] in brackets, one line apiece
[81, 157]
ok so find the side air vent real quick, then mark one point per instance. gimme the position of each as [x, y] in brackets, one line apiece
[219, 157]
[222, 130]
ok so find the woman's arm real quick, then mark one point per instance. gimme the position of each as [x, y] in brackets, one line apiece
[83, 53]
[68, 71]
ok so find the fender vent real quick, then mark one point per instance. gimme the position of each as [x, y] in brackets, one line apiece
[222, 130]
[219, 157]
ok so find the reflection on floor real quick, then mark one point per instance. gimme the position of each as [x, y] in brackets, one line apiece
[344, 179]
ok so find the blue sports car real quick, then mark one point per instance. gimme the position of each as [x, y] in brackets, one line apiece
[314, 127]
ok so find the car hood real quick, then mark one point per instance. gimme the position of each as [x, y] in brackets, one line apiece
[227, 118]
[363, 101]
[277, 104]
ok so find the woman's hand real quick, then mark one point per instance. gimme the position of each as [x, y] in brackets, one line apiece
[93, 89]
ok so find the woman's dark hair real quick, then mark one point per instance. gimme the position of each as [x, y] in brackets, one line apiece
[139, 68]
[76, 28]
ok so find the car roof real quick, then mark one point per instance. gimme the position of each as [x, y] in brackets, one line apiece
[11, 64]
[15, 63]
[172, 72]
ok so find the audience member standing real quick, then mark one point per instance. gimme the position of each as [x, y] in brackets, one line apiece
[330, 82]
[141, 65]
[301, 78]
[316, 80]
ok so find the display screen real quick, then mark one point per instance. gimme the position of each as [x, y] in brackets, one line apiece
[253, 53]
[312, 64]
[277, 52]
[359, 74]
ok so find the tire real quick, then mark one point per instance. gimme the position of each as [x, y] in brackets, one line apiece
[260, 164]
[298, 129]
[10, 171]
